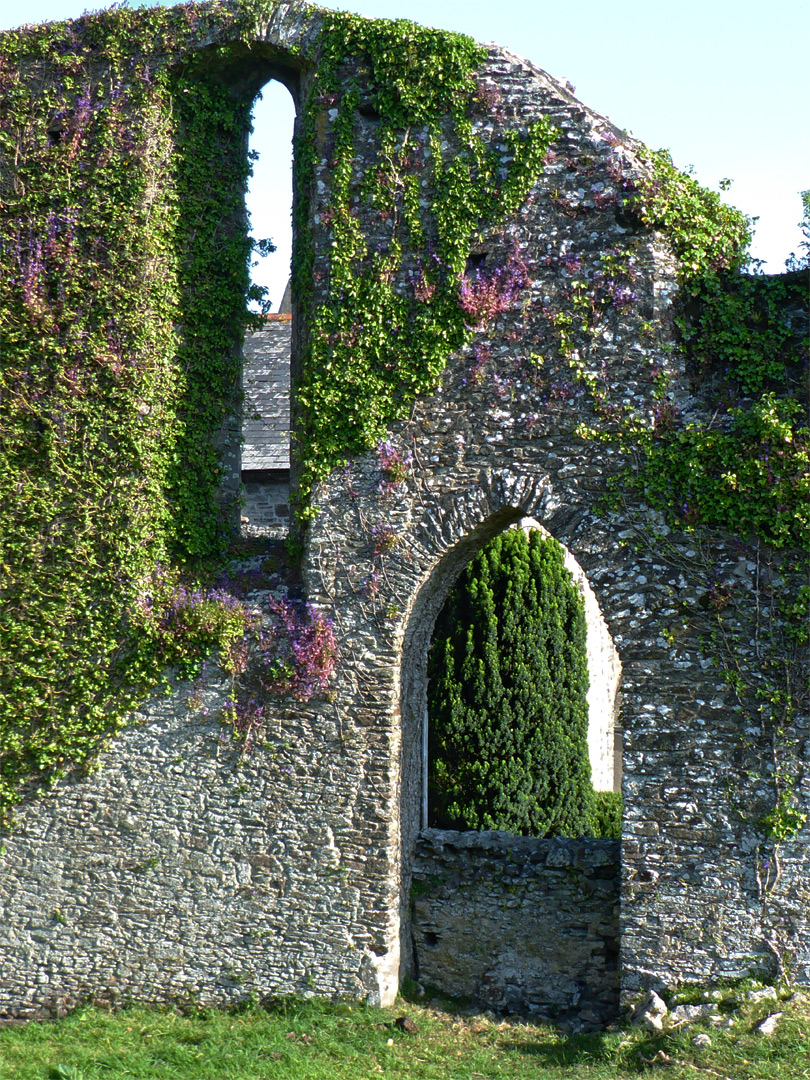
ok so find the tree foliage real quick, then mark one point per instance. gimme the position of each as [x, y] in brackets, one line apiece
[508, 679]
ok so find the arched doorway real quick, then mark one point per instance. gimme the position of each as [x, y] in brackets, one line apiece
[550, 864]
[604, 666]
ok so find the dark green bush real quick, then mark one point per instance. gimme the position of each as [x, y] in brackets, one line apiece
[737, 325]
[508, 679]
[606, 820]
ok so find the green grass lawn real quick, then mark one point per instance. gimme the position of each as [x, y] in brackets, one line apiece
[315, 1040]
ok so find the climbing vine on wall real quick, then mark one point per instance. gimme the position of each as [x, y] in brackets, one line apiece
[431, 187]
[743, 468]
[122, 294]
[751, 473]
[746, 471]
[123, 287]
[123, 291]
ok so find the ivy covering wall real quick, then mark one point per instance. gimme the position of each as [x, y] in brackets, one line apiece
[749, 473]
[123, 285]
[122, 301]
[740, 472]
[437, 205]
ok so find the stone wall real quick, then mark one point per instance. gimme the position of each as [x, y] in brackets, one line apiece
[503, 439]
[518, 924]
[265, 503]
[178, 865]
[182, 869]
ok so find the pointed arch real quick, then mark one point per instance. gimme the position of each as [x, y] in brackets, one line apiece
[447, 538]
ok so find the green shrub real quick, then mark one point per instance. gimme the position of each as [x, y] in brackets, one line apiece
[508, 679]
[736, 324]
[606, 818]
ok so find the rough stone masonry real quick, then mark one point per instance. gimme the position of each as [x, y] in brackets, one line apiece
[518, 924]
[180, 867]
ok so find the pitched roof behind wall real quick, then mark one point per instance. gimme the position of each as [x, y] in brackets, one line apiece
[266, 409]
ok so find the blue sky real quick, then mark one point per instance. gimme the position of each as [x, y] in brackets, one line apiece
[723, 84]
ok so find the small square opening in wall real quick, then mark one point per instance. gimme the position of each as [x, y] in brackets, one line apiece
[266, 500]
[476, 261]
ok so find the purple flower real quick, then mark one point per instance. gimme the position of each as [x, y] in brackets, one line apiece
[486, 294]
[300, 653]
[394, 466]
[383, 539]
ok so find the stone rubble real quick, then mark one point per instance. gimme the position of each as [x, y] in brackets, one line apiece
[651, 1013]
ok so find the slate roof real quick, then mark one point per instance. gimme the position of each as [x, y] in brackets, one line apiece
[266, 408]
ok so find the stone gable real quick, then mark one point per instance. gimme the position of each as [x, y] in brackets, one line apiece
[181, 867]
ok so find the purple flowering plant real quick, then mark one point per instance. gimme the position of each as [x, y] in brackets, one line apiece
[383, 539]
[247, 718]
[487, 293]
[298, 653]
[183, 622]
[395, 466]
[371, 586]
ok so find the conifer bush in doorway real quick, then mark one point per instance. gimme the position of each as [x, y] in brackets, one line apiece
[508, 678]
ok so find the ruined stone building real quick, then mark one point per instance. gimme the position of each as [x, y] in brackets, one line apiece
[181, 865]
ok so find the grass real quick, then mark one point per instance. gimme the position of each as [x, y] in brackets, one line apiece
[315, 1040]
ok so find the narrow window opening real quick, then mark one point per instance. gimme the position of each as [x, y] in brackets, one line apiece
[367, 111]
[265, 470]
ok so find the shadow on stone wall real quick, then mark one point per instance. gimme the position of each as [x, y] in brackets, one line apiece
[518, 924]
